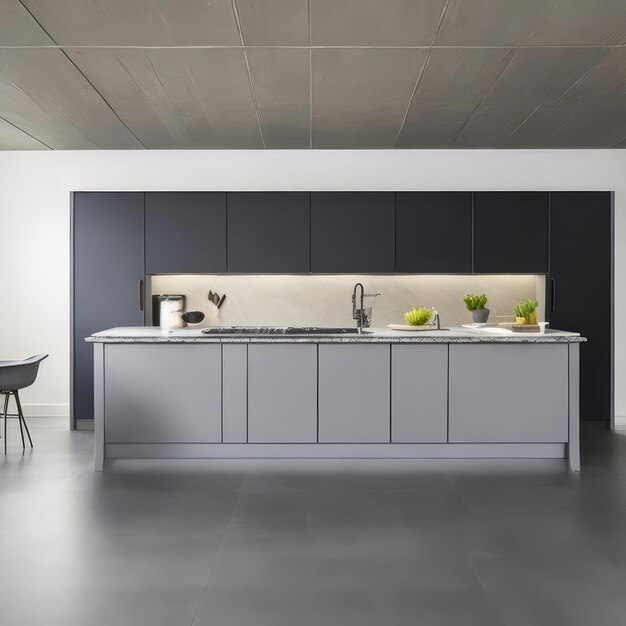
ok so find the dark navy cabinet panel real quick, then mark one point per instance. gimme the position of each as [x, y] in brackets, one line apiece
[108, 265]
[580, 288]
[511, 232]
[268, 232]
[434, 232]
[185, 232]
[353, 231]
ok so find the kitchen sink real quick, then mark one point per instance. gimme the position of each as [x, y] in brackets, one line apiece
[278, 330]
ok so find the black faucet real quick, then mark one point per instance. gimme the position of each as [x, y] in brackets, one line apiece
[361, 315]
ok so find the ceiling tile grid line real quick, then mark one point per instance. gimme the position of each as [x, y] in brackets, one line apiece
[489, 91]
[308, 7]
[419, 78]
[306, 47]
[245, 54]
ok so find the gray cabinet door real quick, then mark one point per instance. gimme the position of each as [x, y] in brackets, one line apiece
[234, 392]
[185, 232]
[354, 393]
[268, 232]
[353, 231]
[163, 393]
[511, 232]
[107, 267]
[581, 238]
[503, 393]
[282, 393]
[434, 232]
[419, 393]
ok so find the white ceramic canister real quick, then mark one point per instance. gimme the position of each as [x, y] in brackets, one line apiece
[171, 309]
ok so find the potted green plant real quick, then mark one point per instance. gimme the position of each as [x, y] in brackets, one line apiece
[476, 305]
[526, 312]
[418, 316]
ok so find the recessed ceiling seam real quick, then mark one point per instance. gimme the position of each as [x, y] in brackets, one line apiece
[43, 143]
[553, 132]
[245, 56]
[487, 94]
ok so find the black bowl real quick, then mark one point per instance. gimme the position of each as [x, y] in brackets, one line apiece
[193, 317]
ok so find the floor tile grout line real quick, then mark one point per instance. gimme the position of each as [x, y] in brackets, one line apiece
[219, 550]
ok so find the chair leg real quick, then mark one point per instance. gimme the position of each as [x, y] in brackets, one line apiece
[6, 409]
[21, 418]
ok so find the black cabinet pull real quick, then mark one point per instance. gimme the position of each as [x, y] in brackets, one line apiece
[140, 290]
[553, 293]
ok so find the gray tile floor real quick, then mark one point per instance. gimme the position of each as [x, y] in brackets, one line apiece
[260, 543]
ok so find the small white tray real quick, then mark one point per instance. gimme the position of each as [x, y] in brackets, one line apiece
[498, 330]
[410, 327]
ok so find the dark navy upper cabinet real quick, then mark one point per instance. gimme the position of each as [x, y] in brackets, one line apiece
[434, 232]
[581, 268]
[268, 232]
[352, 231]
[185, 232]
[511, 232]
[107, 278]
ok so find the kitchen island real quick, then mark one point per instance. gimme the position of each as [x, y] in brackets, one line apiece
[450, 393]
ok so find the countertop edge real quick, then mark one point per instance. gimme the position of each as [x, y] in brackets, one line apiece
[343, 339]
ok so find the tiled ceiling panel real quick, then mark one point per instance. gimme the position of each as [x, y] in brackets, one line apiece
[274, 22]
[491, 22]
[133, 74]
[591, 114]
[189, 98]
[374, 22]
[453, 84]
[17, 27]
[43, 94]
[281, 88]
[535, 78]
[360, 96]
[582, 22]
[137, 22]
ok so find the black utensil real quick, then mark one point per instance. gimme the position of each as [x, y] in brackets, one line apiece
[193, 317]
[219, 306]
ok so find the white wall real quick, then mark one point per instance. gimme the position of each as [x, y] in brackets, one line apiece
[34, 217]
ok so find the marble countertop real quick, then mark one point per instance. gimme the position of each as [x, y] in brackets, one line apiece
[151, 334]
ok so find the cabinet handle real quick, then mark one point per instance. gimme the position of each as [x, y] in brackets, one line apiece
[140, 293]
[553, 294]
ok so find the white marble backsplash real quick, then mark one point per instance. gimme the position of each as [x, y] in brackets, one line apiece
[325, 300]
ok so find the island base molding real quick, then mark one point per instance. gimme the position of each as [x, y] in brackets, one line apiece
[336, 451]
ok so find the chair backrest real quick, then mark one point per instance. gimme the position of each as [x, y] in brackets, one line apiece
[16, 375]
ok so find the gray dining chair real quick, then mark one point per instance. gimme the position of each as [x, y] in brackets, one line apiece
[15, 375]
